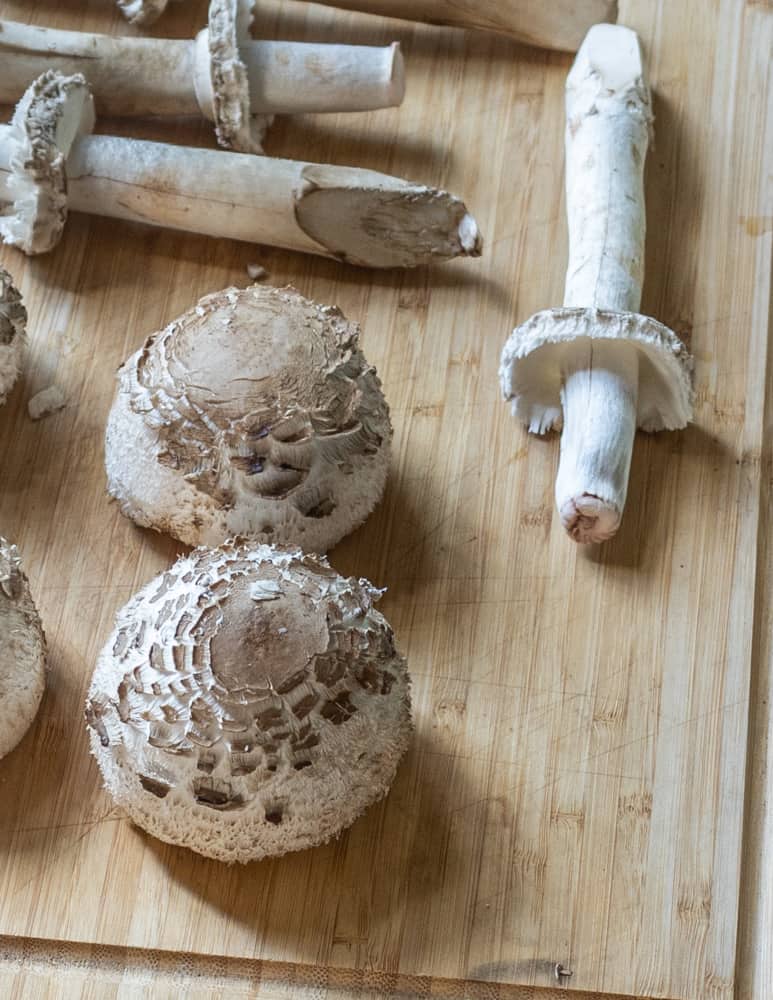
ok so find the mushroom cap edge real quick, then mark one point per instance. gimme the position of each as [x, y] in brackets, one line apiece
[54, 110]
[235, 125]
[13, 323]
[530, 366]
[23, 654]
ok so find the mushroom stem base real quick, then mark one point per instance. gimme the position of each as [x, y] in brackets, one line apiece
[599, 398]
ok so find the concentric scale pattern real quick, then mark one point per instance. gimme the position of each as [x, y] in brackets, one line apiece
[250, 683]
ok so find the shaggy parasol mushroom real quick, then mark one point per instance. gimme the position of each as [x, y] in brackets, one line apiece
[597, 366]
[255, 413]
[49, 162]
[551, 24]
[249, 702]
[224, 75]
[22, 651]
[13, 325]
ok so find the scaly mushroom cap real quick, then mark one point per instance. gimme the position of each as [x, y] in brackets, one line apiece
[22, 651]
[142, 11]
[249, 702]
[255, 413]
[235, 125]
[53, 112]
[13, 324]
[531, 368]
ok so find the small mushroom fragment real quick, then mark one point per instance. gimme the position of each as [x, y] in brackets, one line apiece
[550, 24]
[249, 702]
[13, 325]
[597, 366]
[22, 651]
[224, 75]
[46, 402]
[142, 12]
[49, 163]
[255, 413]
[256, 272]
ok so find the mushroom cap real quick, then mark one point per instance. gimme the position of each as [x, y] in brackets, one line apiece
[22, 651]
[530, 370]
[13, 325]
[249, 702]
[235, 125]
[53, 112]
[142, 11]
[255, 413]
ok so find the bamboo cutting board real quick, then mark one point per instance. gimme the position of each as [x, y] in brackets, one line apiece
[577, 790]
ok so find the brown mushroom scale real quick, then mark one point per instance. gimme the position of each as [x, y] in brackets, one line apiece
[250, 702]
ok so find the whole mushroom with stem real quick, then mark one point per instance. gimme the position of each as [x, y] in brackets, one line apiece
[22, 652]
[596, 367]
[249, 702]
[50, 163]
[13, 326]
[255, 413]
[236, 82]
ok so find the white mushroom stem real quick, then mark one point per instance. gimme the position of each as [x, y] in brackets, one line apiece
[552, 24]
[356, 215]
[607, 132]
[142, 76]
[294, 77]
[599, 398]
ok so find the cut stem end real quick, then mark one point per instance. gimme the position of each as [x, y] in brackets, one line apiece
[588, 519]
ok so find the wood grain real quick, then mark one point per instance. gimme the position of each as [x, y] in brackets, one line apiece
[576, 789]
[31, 969]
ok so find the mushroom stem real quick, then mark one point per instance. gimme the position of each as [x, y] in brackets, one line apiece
[599, 397]
[298, 77]
[607, 131]
[360, 216]
[558, 24]
[152, 76]
[595, 365]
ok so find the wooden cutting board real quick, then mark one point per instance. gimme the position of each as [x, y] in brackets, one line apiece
[584, 788]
